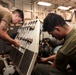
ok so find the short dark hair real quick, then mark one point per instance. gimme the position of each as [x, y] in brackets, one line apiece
[21, 14]
[52, 20]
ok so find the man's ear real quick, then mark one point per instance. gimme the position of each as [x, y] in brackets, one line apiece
[17, 14]
[58, 28]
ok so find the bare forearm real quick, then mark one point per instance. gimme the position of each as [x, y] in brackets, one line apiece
[6, 37]
[51, 58]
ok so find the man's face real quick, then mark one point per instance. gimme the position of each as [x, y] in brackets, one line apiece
[57, 33]
[16, 18]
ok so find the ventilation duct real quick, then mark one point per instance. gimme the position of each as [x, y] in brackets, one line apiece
[8, 3]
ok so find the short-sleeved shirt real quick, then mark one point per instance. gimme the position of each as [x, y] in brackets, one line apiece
[5, 15]
[67, 53]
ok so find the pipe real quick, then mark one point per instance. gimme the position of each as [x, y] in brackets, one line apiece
[8, 3]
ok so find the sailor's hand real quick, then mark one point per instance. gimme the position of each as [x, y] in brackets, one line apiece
[17, 43]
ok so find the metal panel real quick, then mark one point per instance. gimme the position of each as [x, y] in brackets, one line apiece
[24, 66]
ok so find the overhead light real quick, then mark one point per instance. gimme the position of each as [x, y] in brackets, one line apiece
[44, 3]
[64, 8]
[72, 10]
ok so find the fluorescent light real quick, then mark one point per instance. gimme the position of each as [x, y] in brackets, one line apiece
[44, 3]
[72, 10]
[64, 8]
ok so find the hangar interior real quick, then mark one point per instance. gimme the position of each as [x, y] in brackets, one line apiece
[33, 41]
